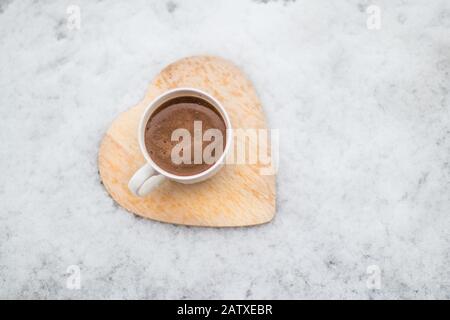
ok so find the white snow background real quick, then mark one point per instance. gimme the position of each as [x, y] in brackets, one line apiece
[364, 177]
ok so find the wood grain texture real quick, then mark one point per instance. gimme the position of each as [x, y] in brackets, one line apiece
[236, 196]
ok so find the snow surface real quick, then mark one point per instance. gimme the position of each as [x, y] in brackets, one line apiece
[364, 178]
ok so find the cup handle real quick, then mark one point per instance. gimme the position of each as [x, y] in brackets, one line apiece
[144, 181]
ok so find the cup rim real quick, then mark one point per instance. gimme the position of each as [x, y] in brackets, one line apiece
[183, 92]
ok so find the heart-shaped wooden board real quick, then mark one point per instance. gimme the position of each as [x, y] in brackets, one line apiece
[238, 195]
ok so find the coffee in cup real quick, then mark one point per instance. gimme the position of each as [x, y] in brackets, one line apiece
[184, 135]
[194, 115]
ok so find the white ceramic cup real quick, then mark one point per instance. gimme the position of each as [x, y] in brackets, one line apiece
[150, 175]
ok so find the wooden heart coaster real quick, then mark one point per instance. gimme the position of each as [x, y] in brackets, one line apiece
[238, 195]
